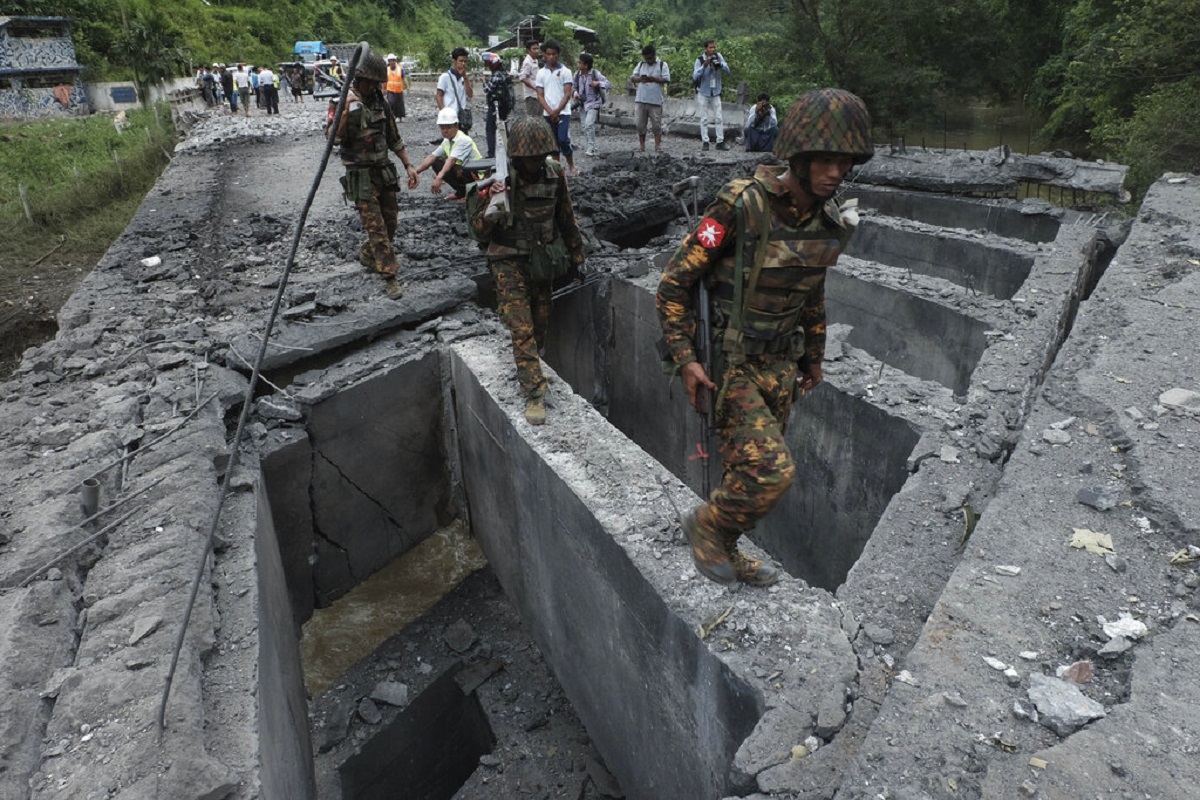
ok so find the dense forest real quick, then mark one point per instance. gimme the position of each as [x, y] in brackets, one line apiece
[1113, 78]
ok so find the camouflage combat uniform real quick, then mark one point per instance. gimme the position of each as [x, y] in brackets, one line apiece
[783, 324]
[371, 181]
[542, 212]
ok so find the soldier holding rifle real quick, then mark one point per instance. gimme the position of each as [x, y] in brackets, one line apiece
[762, 248]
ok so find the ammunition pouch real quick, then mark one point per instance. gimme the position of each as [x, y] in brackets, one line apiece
[356, 184]
[549, 260]
[358, 181]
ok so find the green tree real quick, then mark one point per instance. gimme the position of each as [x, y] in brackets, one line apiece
[148, 45]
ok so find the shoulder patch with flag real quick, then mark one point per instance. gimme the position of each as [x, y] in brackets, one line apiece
[710, 233]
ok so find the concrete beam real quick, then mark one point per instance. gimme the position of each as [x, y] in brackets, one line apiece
[576, 522]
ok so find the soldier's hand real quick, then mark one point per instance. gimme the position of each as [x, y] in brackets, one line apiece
[694, 377]
[809, 379]
[413, 179]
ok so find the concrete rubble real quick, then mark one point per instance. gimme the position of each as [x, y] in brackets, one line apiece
[1001, 375]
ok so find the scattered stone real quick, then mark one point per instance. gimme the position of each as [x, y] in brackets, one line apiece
[393, 693]
[489, 760]
[1116, 563]
[948, 454]
[1061, 706]
[906, 677]
[151, 262]
[1029, 655]
[954, 699]
[1053, 436]
[1101, 498]
[995, 663]
[1079, 672]
[831, 715]
[1027, 788]
[369, 712]
[1012, 677]
[1183, 399]
[1008, 570]
[1062, 425]
[143, 628]
[1134, 413]
[278, 408]
[1115, 647]
[1125, 626]
[1022, 710]
[878, 634]
[459, 636]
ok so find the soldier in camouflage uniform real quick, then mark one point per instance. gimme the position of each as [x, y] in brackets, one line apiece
[366, 133]
[537, 242]
[768, 316]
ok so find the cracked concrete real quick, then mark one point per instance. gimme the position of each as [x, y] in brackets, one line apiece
[884, 670]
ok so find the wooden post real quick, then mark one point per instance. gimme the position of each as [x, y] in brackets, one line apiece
[25, 202]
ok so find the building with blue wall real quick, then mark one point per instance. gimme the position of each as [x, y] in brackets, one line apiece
[39, 76]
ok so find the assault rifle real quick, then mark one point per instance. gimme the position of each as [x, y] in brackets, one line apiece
[703, 341]
[499, 208]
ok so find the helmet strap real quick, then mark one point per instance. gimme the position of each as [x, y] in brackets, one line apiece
[801, 166]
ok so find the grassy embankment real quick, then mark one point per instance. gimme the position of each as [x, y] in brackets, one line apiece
[68, 188]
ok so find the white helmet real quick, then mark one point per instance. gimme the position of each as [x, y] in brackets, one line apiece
[392, 57]
[447, 116]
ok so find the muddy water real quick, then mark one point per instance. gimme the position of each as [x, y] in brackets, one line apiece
[359, 622]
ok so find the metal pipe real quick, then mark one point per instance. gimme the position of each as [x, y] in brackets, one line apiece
[89, 496]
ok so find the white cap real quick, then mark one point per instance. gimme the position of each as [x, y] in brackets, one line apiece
[447, 116]
[392, 57]
[333, 58]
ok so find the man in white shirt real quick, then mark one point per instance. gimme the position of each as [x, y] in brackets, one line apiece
[270, 92]
[528, 76]
[241, 80]
[454, 90]
[651, 76]
[448, 158]
[554, 90]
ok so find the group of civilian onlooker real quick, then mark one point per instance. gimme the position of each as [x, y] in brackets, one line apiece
[234, 84]
[546, 94]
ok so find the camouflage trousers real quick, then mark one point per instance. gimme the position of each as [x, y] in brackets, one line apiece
[524, 307]
[378, 215]
[752, 413]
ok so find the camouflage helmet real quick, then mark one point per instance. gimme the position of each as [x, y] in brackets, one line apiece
[826, 121]
[371, 67]
[530, 136]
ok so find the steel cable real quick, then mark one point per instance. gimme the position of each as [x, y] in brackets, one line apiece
[235, 447]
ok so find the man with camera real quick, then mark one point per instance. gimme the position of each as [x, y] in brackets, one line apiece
[706, 77]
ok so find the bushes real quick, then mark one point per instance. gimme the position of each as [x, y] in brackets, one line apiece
[73, 167]
[1162, 135]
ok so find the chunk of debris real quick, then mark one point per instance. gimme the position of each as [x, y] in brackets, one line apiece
[1183, 399]
[143, 628]
[995, 663]
[369, 712]
[393, 693]
[1053, 436]
[1061, 706]
[1101, 498]
[1093, 541]
[459, 636]
[1079, 672]
[1007, 570]
[1125, 626]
